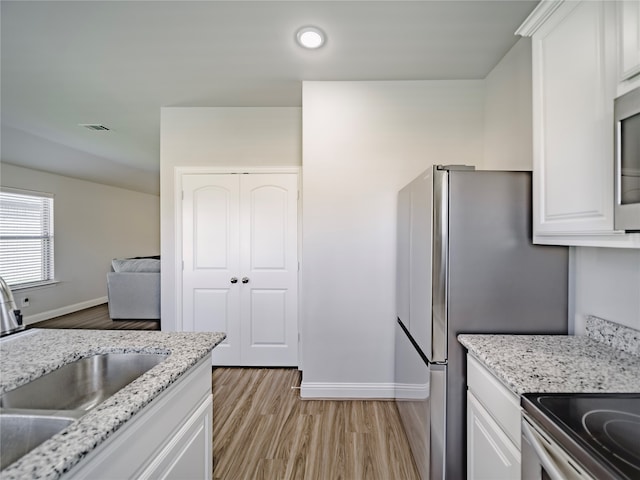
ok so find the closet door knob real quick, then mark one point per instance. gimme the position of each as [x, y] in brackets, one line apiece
[245, 279]
[234, 280]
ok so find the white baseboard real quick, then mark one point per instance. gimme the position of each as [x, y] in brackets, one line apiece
[39, 317]
[410, 391]
[345, 391]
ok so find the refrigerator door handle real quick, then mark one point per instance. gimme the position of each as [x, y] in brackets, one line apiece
[440, 271]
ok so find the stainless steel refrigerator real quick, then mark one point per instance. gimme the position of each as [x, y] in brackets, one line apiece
[465, 264]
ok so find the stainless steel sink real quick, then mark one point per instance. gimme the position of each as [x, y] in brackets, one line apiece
[83, 384]
[36, 411]
[21, 433]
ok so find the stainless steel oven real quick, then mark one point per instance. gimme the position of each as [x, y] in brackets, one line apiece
[544, 459]
[582, 436]
[627, 161]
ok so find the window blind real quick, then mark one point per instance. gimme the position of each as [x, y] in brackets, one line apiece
[26, 238]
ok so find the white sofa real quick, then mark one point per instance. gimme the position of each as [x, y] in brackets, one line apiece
[133, 288]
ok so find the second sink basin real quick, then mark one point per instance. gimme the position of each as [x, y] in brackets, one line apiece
[83, 384]
[21, 433]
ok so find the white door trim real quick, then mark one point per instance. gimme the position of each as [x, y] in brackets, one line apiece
[178, 173]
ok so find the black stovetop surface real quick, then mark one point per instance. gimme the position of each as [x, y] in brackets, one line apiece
[605, 426]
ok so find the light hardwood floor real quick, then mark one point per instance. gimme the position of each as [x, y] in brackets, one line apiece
[263, 430]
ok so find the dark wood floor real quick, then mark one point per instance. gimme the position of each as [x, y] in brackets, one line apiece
[263, 430]
[96, 318]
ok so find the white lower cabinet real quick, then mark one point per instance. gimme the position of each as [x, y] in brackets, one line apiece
[171, 438]
[493, 427]
[490, 453]
[188, 454]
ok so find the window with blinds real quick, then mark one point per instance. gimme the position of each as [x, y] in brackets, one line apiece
[26, 238]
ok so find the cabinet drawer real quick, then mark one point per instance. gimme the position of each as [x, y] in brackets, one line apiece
[498, 400]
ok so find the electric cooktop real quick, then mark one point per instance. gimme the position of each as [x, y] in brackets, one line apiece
[601, 431]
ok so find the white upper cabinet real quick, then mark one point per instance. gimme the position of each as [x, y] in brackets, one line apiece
[574, 52]
[628, 45]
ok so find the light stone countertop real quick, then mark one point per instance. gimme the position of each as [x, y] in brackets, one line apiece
[33, 353]
[605, 360]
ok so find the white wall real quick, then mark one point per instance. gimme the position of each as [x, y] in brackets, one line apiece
[93, 223]
[607, 285]
[362, 142]
[217, 137]
[508, 141]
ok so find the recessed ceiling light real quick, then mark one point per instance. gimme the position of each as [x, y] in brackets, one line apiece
[310, 37]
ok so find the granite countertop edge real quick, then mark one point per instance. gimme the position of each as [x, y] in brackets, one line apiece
[37, 352]
[555, 363]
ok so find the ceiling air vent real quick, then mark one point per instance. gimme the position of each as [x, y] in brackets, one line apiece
[94, 126]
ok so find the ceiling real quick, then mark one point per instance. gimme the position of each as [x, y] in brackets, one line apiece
[116, 63]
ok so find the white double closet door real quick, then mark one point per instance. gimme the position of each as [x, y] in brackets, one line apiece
[240, 275]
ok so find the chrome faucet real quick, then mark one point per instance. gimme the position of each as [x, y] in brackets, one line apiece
[10, 316]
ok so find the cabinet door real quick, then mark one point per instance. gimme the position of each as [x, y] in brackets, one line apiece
[188, 454]
[211, 256]
[628, 38]
[573, 91]
[269, 265]
[490, 453]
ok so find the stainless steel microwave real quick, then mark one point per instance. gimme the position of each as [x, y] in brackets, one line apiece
[626, 207]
